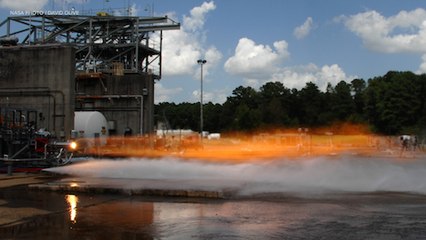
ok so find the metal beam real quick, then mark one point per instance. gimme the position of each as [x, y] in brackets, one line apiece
[159, 27]
[106, 38]
[64, 30]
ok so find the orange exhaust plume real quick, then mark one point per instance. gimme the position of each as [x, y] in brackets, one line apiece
[240, 147]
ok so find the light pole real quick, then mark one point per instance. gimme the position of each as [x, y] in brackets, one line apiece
[201, 62]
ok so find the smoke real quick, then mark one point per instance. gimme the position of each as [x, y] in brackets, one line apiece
[304, 176]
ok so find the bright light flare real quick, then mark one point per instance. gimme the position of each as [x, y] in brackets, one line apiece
[73, 145]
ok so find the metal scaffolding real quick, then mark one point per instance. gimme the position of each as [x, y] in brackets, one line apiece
[103, 43]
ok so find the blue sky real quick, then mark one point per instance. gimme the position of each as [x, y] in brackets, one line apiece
[247, 43]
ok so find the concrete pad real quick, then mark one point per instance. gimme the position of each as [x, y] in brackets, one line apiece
[21, 179]
[13, 216]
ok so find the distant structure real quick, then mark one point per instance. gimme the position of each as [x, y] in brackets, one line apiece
[58, 64]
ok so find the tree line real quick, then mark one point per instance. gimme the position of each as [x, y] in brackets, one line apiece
[391, 104]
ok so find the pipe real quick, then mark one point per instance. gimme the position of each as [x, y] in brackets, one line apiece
[137, 47]
[161, 55]
[141, 116]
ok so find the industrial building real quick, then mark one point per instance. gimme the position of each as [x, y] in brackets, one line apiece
[56, 65]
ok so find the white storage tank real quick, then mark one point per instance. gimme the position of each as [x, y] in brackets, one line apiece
[90, 124]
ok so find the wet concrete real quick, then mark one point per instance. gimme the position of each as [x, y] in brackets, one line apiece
[33, 214]
[141, 187]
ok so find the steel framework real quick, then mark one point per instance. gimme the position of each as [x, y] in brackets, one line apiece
[103, 42]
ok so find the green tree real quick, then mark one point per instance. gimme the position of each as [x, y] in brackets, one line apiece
[342, 104]
[358, 87]
[274, 102]
[421, 115]
[212, 115]
[241, 110]
[311, 103]
[392, 103]
[246, 119]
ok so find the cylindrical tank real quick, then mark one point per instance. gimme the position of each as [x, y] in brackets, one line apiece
[90, 124]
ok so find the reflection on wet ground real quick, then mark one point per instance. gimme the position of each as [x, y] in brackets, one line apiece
[378, 215]
[337, 197]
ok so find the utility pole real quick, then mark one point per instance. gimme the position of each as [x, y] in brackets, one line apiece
[201, 62]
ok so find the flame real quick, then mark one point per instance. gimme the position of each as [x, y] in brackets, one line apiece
[261, 145]
[72, 201]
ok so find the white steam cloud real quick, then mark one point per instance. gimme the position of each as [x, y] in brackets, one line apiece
[301, 176]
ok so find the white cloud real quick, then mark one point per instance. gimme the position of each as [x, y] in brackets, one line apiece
[422, 68]
[71, 1]
[182, 48]
[401, 33]
[404, 32]
[23, 5]
[213, 55]
[298, 76]
[197, 16]
[253, 82]
[67, 2]
[214, 96]
[303, 30]
[253, 60]
[163, 94]
[258, 64]
[180, 53]
[133, 10]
